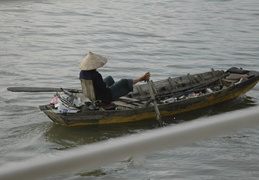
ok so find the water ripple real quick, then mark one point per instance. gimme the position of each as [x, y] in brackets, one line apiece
[44, 41]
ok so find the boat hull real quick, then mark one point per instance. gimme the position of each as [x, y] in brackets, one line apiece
[167, 109]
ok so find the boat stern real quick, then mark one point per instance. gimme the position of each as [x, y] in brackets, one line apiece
[48, 110]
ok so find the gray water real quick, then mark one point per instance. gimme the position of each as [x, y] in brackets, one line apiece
[43, 41]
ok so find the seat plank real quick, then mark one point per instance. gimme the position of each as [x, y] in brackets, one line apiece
[88, 89]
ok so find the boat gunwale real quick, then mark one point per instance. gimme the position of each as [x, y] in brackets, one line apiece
[163, 107]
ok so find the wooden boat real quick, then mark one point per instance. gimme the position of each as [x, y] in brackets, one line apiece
[173, 96]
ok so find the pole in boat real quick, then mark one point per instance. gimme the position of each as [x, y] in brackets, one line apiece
[40, 89]
[158, 116]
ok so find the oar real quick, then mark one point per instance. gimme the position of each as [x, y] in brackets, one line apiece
[158, 116]
[40, 89]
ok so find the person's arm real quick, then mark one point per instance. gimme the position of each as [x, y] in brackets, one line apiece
[145, 77]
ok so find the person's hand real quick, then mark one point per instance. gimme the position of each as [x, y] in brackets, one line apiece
[146, 76]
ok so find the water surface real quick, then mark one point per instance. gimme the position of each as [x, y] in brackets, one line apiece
[44, 41]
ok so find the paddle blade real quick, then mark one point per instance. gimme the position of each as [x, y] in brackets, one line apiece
[33, 89]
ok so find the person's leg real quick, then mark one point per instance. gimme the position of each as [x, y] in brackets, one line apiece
[121, 88]
[109, 81]
[124, 86]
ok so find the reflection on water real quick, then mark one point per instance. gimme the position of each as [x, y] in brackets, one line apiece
[69, 137]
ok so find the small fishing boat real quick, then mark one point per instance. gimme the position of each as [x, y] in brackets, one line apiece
[171, 96]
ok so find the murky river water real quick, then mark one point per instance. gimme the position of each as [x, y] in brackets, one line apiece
[42, 43]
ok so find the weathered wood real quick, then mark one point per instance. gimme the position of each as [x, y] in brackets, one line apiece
[88, 89]
[178, 82]
[132, 109]
[153, 87]
[41, 89]
[124, 98]
[170, 82]
[213, 72]
[190, 79]
[124, 104]
[201, 77]
[132, 101]
[140, 90]
[152, 95]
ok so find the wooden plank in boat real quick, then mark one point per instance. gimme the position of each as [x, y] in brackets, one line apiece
[172, 83]
[153, 87]
[123, 104]
[168, 86]
[140, 90]
[178, 84]
[135, 102]
[202, 78]
[196, 78]
[190, 79]
[207, 75]
[213, 72]
[128, 99]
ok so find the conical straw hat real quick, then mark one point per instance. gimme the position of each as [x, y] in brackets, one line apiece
[92, 61]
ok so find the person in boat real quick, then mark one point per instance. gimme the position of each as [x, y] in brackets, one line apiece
[106, 89]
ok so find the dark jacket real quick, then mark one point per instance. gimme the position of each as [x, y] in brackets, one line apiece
[102, 92]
